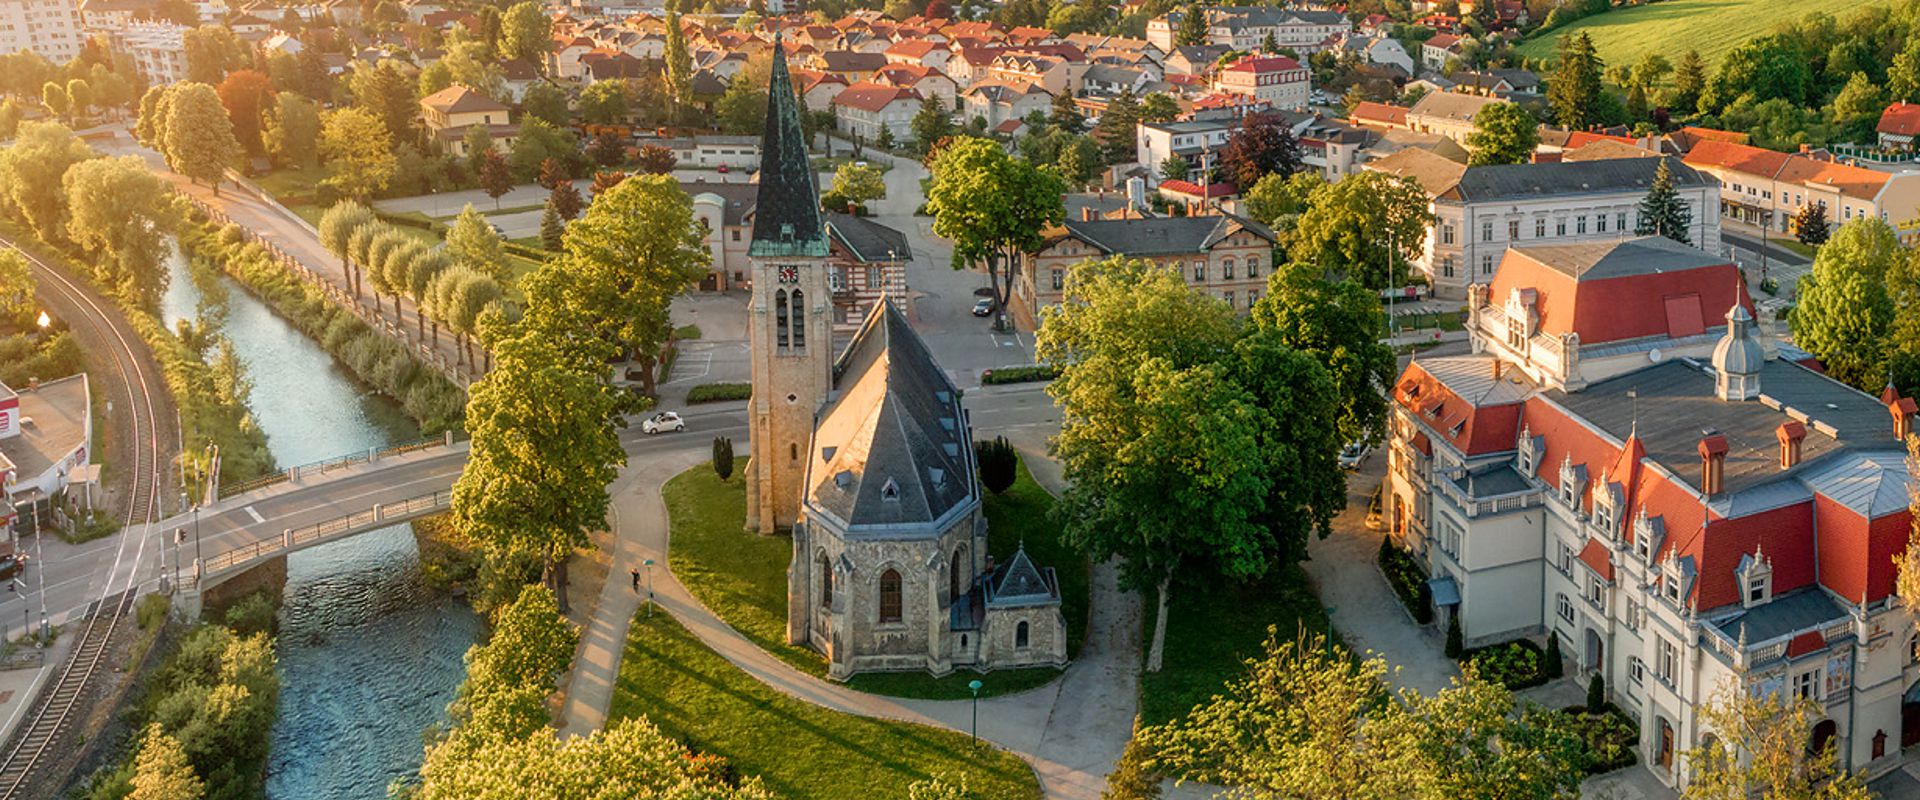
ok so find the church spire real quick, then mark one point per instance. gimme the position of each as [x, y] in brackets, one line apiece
[787, 220]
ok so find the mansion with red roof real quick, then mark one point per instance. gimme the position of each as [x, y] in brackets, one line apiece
[1626, 462]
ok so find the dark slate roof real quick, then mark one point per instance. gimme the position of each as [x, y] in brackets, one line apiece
[1020, 583]
[1789, 613]
[1508, 181]
[868, 241]
[1619, 258]
[1158, 236]
[787, 210]
[892, 449]
[1494, 480]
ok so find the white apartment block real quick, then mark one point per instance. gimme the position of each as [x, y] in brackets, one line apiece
[1480, 212]
[157, 49]
[1249, 28]
[1627, 462]
[48, 27]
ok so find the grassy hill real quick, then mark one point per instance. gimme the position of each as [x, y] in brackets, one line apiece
[1673, 27]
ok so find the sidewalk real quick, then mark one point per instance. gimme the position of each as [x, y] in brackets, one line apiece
[1071, 730]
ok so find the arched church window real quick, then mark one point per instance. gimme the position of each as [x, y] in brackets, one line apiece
[1020, 635]
[799, 319]
[890, 596]
[826, 582]
[953, 575]
[780, 317]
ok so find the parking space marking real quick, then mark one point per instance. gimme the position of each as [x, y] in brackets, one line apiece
[706, 366]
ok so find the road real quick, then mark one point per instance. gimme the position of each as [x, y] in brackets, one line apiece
[1783, 265]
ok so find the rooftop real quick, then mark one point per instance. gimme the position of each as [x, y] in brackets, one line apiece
[1515, 181]
[58, 412]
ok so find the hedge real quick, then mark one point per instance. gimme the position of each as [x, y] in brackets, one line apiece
[719, 392]
[1610, 735]
[1408, 580]
[528, 253]
[1518, 664]
[1028, 374]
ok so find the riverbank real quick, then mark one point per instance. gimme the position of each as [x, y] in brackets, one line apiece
[374, 359]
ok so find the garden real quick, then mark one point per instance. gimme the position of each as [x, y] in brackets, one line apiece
[1612, 738]
[1408, 580]
[1518, 664]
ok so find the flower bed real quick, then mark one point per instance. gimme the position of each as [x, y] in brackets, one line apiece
[1408, 580]
[1610, 735]
[1517, 665]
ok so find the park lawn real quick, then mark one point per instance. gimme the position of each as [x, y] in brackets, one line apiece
[741, 577]
[1671, 28]
[798, 749]
[1211, 634]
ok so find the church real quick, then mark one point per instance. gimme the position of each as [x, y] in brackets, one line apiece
[864, 455]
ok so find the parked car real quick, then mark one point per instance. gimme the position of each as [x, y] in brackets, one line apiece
[12, 565]
[983, 307]
[723, 169]
[663, 422]
[1353, 454]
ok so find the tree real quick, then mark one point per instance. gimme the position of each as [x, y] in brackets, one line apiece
[386, 90]
[1760, 749]
[1857, 108]
[1662, 212]
[1175, 168]
[1115, 131]
[200, 143]
[459, 296]
[121, 213]
[858, 183]
[337, 227]
[679, 66]
[1340, 324]
[538, 141]
[472, 243]
[493, 174]
[1844, 311]
[999, 464]
[930, 124]
[30, 175]
[526, 33]
[1279, 200]
[1810, 225]
[1596, 694]
[1689, 80]
[17, 303]
[427, 267]
[1261, 144]
[293, 131]
[654, 159]
[10, 116]
[607, 149]
[633, 755]
[602, 181]
[1065, 115]
[1158, 107]
[1764, 68]
[603, 103]
[212, 51]
[1552, 665]
[1191, 29]
[79, 96]
[565, 200]
[545, 101]
[161, 770]
[723, 457]
[1456, 645]
[245, 94]
[1574, 89]
[551, 228]
[992, 206]
[1364, 228]
[358, 152]
[1503, 133]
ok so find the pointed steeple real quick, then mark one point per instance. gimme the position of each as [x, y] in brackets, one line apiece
[786, 217]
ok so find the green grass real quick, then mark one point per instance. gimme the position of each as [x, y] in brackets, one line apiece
[1794, 245]
[741, 577]
[1671, 28]
[686, 332]
[800, 750]
[1210, 634]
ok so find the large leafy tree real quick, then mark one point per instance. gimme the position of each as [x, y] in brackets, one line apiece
[161, 770]
[1766, 68]
[1811, 225]
[472, 243]
[337, 227]
[526, 33]
[1760, 749]
[1573, 90]
[1158, 107]
[293, 131]
[858, 183]
[993, 206]
[358, 152]
[1364, 228]
[1662, 212]
[1260, 146]
[545, 101]
[1844, 311]
[17, 287]
[604, 102]
[1342, 325]
[1503, 133]
[1857, 107]
[1279, 200]
[1191, 450]
[537, 142]
[245, 94]
[121, 213]
[385, 90]
[212, 51]
[200, 143]
[30, 175]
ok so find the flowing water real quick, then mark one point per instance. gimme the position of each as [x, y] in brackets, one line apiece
[369, 657]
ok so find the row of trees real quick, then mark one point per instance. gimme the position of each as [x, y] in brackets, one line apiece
[113, 210]
[456, 284]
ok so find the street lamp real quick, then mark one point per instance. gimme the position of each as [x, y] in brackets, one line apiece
[649, 565]
[974, 734]
[44, 320]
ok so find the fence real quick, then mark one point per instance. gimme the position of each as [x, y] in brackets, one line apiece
[324, 466]
[292, 539]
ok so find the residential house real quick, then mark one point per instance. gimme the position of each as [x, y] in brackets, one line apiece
[918, 52]
[866, 262]
[1054, 73]
[854, 67]
[1279, 81]
[1001, 102]
[613, 65]
[1105, 80]
[1449, 114]
[1383, 51]
[1194, 59]
[1481, 211]
[865, 110]
[1435, 52]
[450, 112]
[1630, 464]
[929, 82]
[1898, 125]
[1197, 141]
[1768, 189]
[818, 89]
[564, 59]
[1222, 255]
[1250, 27]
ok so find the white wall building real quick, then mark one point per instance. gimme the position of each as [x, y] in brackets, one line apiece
[48, 27]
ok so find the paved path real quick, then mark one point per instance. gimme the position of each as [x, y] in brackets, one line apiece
[1071, 730]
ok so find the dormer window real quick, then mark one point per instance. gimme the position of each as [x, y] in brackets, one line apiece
[1755, 573]
[1605, 501]
[1646, 534]
[1529, 453]
[1571, 480]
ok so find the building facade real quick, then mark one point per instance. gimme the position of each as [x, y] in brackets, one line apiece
[1221, 255]
[1277, 80]
[1765, 188]
[45, 429]
[1627, 463]
[49, 27]
[451, 112]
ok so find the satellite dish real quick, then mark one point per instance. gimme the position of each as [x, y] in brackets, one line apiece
[1654, 355]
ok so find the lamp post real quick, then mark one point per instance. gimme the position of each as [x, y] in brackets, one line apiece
[649, 566]
[974, 734]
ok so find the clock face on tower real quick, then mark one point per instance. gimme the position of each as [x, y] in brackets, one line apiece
[789, 274]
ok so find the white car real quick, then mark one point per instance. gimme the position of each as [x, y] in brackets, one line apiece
[1352, 455]
[663, 422]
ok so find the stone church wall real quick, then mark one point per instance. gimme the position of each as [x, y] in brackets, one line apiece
[1046, 637]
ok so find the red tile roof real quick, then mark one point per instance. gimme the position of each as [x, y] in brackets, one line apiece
[1596, 556]
[1900, 119]
[1192, 189]
[872, 97]
[1612, 309]
[1736, 157]
[1382, 113]
[1473, 430]
[1805, 643]
[1260, 64]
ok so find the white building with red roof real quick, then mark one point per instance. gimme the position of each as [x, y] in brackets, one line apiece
[1768, 188]
[1899, 124]
[865, 109]
[1279, 81]
[1627, 463]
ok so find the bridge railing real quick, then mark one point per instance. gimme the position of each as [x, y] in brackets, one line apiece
[326, 465]
[291, 539]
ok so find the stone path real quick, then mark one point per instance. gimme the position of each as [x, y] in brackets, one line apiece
[1071, 731]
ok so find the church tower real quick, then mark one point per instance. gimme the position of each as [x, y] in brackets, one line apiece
[790, 326]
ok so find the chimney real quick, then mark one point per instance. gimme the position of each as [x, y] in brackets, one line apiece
[1713, 462]
[1806, 148]
[1086, 213]
[1790, 433]
[1902, 411]
[1497, 365]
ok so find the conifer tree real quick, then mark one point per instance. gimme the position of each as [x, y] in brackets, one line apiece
[1811, 226]
[1662, 212]
[551, 231]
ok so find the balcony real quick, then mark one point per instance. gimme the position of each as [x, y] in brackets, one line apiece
[1488, 490]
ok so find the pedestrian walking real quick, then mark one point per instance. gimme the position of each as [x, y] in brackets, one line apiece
[636, 578]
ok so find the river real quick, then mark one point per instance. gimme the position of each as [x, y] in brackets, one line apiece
[369, 657]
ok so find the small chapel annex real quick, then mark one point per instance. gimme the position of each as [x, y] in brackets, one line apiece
[865, 455]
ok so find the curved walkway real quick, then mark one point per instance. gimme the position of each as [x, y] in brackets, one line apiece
[1071, 731]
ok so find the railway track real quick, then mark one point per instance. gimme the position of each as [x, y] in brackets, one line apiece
[53, 709]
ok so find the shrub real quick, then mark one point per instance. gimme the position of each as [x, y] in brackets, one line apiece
[1516, 665]
[252, 614]
[1596, 691]
[151, 611]
[719, 392]
[1553, 668]
[1609, 735]
[1455, 643]
[999, 464]
[1408, 580]
[1027, 374]
[723, 457]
